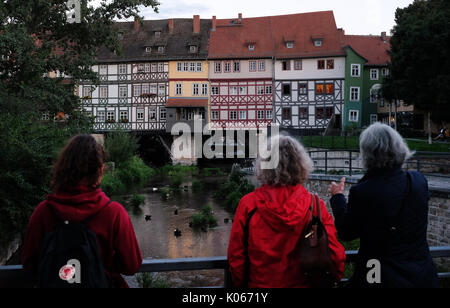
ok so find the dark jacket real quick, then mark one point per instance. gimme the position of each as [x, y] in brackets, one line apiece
[274, 233]
[390, 217]
[118, 246]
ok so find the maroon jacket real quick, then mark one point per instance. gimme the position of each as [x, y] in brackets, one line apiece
[119, 249]
[274, 233]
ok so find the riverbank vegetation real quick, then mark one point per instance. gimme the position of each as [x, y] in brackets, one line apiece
[204, 219]
[149, 280]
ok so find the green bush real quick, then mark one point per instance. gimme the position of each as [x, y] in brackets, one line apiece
[147, 280]
[204, 219]
[197, 186]
[137, 200]
[175, 182]
[165, 192]
[112, 185]
[121, 147]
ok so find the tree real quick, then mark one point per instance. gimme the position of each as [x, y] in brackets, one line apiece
[36, 38]
[420, 62]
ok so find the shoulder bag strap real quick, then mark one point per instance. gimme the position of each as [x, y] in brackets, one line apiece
[247, 258]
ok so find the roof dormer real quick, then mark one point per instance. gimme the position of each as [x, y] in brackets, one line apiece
[317, 40]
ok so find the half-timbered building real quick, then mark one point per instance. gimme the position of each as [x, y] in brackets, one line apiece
[309, 71]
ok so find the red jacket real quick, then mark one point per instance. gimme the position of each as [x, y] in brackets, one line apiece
[118, 246]
[274, 231]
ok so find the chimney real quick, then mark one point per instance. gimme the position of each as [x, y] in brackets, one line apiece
[383, 36]
[170, 26]
[196, 24]
[214, 23]
[341, 32]
[240, 17]
[136, 24]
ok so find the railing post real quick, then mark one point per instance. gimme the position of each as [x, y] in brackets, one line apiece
[350, 167]
[228, 282]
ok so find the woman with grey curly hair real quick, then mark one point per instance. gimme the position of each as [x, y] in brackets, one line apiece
[388, 211]
[263, 251]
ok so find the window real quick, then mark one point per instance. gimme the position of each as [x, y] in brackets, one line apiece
[236, 66]
[318, 43]
[140, 114]
[382, 102]
[297, 65]
[242, 115]
[192, 67]
[252, 66]
[152, 114]
[123, 115]
[101, 116]
[374, 95]
[122, 69]
[260, 114]
[286, 90]
[303, 113]
[162, 114]
[186, 67]
[103, 92]
[251, 47]
[286, 114]
[330, 64]
[160, 67]
[227, 67]
[233, 91]
[195, 88]
[157, 34]
[215, 90]
[303, 88]
[353, 116]
[233, 115]
[324, 112]
[153, 89]
[242, 90]
[137, 91]
[147, 67]
[374, 74]
[286, 65]
[148, 49]
[204, 89]
[268, 89]
[320, 89]
[260, 90]
[261, 66]
[354, 94]
[103, 70]
[123, 91]
[192, 49]
[161, 90]
[87, 91]
[290, 44]
[178, 89]
[199, 66]
[140, 67]
[215, 115]
[179, 67]
[154, 67]
[217, 67]
[145, 89]
[161, 49]
[269, 114]
[385, 72]
[373, 118]
[329, 88]
[111, 116]
[356, 70]
[320, 64]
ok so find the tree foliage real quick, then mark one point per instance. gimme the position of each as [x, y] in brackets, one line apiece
[36, 39]
[420, 49]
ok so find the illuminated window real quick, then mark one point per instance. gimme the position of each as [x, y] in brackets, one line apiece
[330, 64]
[319, 88]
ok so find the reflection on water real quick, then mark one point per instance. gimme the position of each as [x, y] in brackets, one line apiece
[156, 237]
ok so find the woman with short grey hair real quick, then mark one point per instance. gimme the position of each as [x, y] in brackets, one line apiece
[388, 211]
[263, 251]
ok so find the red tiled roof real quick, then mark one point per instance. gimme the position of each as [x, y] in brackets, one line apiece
[270, 34]
[186, 102]
[370, 47]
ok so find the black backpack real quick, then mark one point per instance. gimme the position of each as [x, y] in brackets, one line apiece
[70, 257]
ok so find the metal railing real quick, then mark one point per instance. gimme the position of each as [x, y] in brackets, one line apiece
[15, 276]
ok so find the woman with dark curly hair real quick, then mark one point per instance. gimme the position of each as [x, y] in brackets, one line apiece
[77, 199]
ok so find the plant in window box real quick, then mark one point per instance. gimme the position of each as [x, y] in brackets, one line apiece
[124, 121]
[110, 121]
[86, 97]
[148, 94]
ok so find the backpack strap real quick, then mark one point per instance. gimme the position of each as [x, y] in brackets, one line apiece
[247, 257]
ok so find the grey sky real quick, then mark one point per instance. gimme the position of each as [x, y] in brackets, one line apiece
[355, 16]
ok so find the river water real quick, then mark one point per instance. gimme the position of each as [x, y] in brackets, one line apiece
[156, 236]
